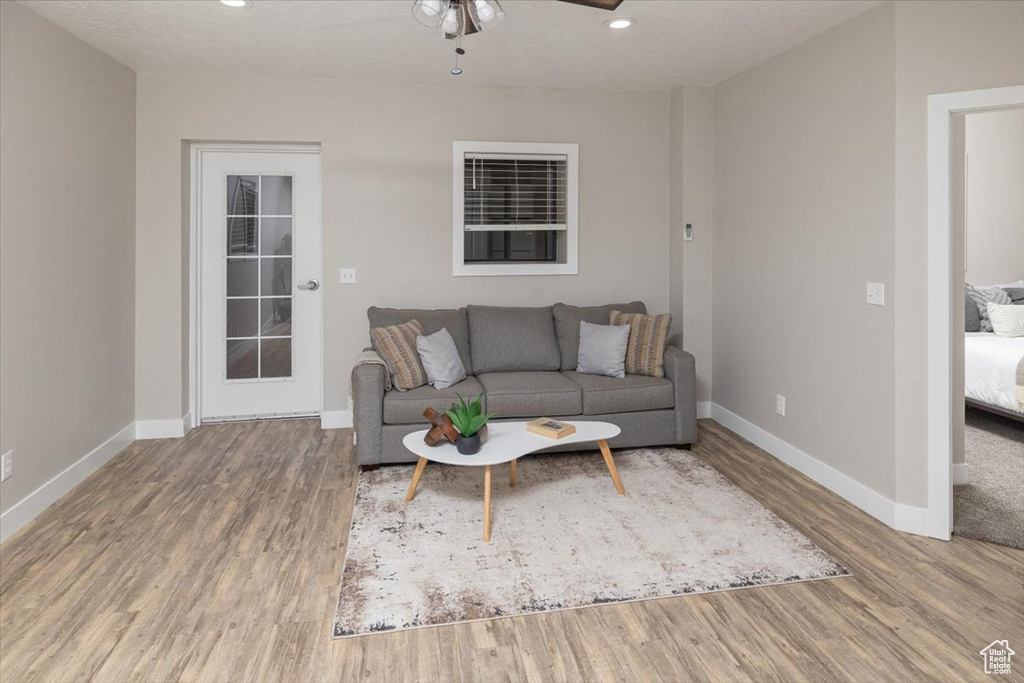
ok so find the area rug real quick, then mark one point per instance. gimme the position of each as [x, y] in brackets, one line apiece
[991, 507]
[562, 538]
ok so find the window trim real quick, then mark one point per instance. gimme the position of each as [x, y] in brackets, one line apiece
[571, 265]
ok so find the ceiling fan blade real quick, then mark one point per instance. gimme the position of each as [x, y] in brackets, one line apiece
[597, 4]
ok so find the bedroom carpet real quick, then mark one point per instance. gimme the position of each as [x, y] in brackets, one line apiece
[560, 539]
[991, 507]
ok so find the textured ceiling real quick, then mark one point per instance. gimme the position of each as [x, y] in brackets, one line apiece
[540, 44]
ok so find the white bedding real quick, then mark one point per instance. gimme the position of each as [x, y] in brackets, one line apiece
[990, 366]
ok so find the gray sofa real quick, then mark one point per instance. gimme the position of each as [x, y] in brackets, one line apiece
[523, 362]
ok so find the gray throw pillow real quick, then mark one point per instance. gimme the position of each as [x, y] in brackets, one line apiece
[603, 349]
[1016, 294]
[567, 325]
[972, 318]
[982, 296]
[440, 358]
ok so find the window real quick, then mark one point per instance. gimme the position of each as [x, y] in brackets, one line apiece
[515, 208]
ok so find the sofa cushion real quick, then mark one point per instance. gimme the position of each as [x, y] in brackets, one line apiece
[432, 321]
[629, 394]
[531, 394]
[509, 339]
[567, 325]
[406, 407]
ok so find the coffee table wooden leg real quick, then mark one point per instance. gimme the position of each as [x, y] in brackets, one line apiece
[607, 453]
[420, 464]
[512, 474]
[487, 503]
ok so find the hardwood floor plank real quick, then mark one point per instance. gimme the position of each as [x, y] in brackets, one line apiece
[216, 557]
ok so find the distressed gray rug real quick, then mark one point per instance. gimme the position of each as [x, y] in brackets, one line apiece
[560, 539]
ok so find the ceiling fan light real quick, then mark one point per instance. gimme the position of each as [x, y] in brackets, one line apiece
[430, 12]
[450, 20]
[489, 11]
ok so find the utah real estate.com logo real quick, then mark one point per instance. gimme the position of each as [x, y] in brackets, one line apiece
[997, 657]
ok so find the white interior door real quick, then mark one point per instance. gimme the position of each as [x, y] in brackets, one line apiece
[259, 292]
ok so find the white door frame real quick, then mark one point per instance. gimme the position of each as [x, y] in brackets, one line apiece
[940, 274]
[195, 266]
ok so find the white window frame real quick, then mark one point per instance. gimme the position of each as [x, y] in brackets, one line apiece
[571, 265]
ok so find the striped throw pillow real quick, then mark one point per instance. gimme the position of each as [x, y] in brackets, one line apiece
[1007, 321]
[397, 346]
[648, 334]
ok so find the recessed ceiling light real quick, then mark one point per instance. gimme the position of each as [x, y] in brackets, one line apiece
[233, 3]
[620, 23]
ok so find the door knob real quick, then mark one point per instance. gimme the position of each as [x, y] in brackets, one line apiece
[312, 285]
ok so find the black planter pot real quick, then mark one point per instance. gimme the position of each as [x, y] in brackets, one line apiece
[468, 445]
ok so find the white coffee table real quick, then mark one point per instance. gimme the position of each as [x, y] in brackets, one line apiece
[507, 442]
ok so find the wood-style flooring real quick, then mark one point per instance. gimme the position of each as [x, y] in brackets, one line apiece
[216, 558]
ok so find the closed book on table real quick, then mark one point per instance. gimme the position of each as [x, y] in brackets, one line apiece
[553, 429]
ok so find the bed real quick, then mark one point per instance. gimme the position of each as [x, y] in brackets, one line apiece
[994, 373]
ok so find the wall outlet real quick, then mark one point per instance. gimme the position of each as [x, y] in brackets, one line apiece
[780, 404]
[347, 276]
[876, 294]
[350, 404]
[6, 465]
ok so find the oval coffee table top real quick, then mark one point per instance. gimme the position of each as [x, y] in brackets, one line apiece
[506, 441]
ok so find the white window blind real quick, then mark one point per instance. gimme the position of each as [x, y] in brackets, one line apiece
[515, 191]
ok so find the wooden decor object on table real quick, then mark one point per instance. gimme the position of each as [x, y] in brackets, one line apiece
[442, 428]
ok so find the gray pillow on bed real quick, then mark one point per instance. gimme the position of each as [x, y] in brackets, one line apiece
[1016, 294]
[972, 318]
[982, 296]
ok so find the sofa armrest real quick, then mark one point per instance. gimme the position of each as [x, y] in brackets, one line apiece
[681, 368]
[368, 411]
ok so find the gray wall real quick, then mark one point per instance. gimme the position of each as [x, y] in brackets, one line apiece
[692, 199]
[804, 200]
[387, 173]
[67, 248]
[995, 197]
[940, 47]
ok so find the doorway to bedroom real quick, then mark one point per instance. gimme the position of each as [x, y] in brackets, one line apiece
[987, 220]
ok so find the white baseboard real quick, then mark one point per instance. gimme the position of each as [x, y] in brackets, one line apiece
[913, 520]
[703, 409]
[335, 419]
[163, 429]
[961, 474]
[900, 517]
[22, 512]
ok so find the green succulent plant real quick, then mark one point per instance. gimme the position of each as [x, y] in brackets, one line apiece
[468, 418]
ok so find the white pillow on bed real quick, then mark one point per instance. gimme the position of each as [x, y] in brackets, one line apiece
[1007, 321]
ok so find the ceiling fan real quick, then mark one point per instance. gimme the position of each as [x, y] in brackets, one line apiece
[459, 18]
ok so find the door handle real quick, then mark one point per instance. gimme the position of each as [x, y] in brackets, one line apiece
[312, 285]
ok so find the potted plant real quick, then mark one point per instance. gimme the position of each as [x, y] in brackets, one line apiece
[468, 419]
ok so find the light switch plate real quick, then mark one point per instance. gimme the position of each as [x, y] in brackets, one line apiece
[688, 232]
[876, 294]
[347, 276]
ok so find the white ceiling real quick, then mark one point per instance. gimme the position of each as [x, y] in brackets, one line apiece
[540, 44]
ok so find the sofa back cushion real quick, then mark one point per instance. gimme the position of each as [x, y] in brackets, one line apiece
[454, 320]
[509, 339]
[567, 325]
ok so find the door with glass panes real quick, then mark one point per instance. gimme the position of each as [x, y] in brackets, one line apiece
[259, 298]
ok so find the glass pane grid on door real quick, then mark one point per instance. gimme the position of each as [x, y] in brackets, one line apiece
[258, 320]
